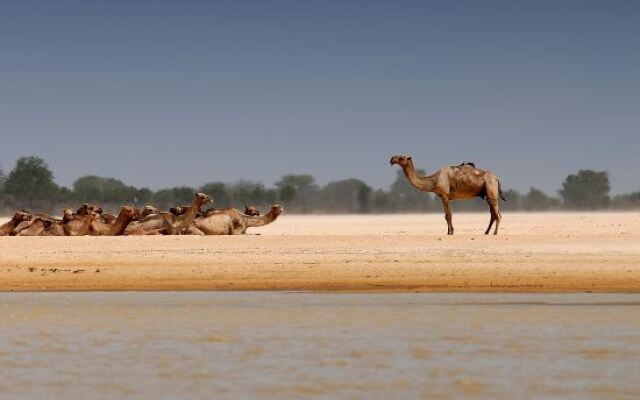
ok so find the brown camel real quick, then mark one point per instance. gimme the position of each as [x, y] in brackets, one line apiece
[463, 181]
[100, 228]
[179, 210]
[87, 208]
[168, 223]
[215, 221]
[44, 225]
[39, 224]
[8, 227]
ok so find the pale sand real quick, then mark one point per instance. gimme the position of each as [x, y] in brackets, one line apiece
[533, 253]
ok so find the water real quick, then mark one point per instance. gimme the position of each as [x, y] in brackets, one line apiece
[165, 345]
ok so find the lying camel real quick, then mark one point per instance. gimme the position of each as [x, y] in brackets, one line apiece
[179, 210]
[39, 224]
[463, 181]
[166, 222]
[8, 227]
[231, 221]
[70, 225]
[100, 228]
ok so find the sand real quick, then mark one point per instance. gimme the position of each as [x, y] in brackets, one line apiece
[541, 252]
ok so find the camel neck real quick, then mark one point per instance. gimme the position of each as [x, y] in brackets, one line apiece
[121, 223]
[423, 183]
[261, 220]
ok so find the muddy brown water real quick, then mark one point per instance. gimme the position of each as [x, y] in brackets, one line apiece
[166, 345]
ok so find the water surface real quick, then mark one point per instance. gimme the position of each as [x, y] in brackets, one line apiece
[165, 345]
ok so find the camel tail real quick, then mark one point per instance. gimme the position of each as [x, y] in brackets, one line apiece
[500, 191]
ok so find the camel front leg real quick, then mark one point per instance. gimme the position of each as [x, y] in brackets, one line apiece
[447, 215]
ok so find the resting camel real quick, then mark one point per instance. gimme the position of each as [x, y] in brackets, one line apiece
[179, 210]
[70, 225]
[8, 227]
[100, 228]
[39, 224]
[168, 223]
[231, 221]
[463, 181]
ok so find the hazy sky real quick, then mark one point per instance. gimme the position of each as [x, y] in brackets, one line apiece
[165, 93]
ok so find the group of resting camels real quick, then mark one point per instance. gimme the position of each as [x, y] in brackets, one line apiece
[463, 181]
[181, 220]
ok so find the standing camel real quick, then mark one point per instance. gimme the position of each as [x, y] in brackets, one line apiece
[463, 181]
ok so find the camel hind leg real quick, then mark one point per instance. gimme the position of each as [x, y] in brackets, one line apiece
[493, 218]
[495, 215]
[492, 190]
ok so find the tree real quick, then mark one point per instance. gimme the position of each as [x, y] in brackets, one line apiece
[31, 182]
[626, 201]
[346, 196]
[3, 179]
[514, 200]
[536, 199]
[175, 196]
[219, 193]
[408, 198]
[246, 193]
[587, 189]
[298, 192]
[105, 190]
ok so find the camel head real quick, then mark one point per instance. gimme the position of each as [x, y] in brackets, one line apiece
[253, 211]
[87, 208]
[20, 216]
[178, 210]
[67, 214]
[277, 209]
[147, 210]
[401, 160]
[203, 198]
[129, 212]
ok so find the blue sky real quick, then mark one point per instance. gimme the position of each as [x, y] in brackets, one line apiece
[167, 93]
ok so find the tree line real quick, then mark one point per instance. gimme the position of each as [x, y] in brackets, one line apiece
[30, 184]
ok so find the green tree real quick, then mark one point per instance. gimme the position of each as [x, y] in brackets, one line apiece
[514, 202]
[246, 193]
[407, 198]
[346, 196]
[587, 189]
[31, 183]
[3, 179]
[219, 192]
[105, 190]
[537, 200]
[626, 201]
[175, 196]
[298, 192]
[381, 201]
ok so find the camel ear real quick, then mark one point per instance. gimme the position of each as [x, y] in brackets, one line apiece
[409, 158]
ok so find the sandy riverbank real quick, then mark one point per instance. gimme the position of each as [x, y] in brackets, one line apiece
[535, 252]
